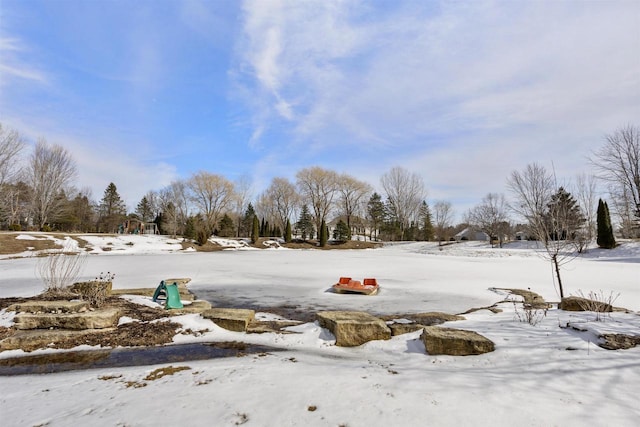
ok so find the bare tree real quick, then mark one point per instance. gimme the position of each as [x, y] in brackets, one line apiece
[283, 200]
[353, 194]
[442, 217]
[11, 144]
[491, 216]
[619, 164]
[243, 189]
[588, 201]
[550, 217]
[405, 192]
[212, 194]
[50, 170]
[318, 188]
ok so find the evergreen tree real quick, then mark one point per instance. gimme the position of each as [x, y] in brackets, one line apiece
[112, 210]
[426, 226]
[342, 231]
[375, 212]
[144, 210]
[323, 234]
[226, 227]
[287, 233]
[246, 225]
[304, 226]
[255, 230]
[563, 216]
[605, 238]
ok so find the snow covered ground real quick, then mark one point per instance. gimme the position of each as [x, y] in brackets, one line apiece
[539, 375]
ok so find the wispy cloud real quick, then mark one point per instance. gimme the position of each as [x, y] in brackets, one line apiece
[443, 80]
[14, 66]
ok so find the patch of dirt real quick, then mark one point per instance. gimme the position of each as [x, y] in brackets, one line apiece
[10, 245]
[163, 372]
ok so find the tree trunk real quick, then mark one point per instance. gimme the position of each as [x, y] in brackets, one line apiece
[556, 265]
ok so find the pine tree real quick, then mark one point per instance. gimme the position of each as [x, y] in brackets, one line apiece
[605, 238]
[287, 233]
[426, 229]
[563, 217]
[304, 226]
[255, 230]
[226, 227]
[342, 232]
[112, 209]
[323, 234]
[145, 210]
[375, 212]
[247, 221]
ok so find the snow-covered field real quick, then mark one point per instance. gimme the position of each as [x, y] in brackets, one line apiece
[539, 375]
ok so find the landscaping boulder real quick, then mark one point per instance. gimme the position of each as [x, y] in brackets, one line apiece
[353, 328]
[574, 303]
[233, 319]
[454, 342]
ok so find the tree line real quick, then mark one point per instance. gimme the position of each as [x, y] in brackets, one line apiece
[321, 203]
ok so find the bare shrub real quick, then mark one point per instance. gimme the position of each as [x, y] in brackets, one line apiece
[597, 302]
[60, 269]
[96, 291]
[529, 313]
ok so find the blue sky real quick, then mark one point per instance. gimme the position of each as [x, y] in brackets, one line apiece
[146, 92]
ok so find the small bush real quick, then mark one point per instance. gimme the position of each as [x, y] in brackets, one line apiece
[96, 291]
[15, 227]
[58, 270]
[527, 313]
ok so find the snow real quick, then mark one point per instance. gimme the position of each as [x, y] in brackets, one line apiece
[548, 374]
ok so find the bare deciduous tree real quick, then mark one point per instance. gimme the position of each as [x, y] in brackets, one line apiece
[619, 164]
[491, 216]
[405, 192]
[442, 217]
[549, 219]
[50, 170]
[242, 189]
[588, 201]
[353, 194]
[212, 194]
[11, 144]
[318, 188]
[283, 199]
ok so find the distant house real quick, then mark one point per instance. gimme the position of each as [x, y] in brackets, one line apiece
[472, 235]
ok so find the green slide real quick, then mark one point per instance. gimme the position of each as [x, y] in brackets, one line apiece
[171, 294]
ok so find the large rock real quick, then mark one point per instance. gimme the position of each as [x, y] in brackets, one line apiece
[454, 342]
[353, 328]
[573, 303]
[99, 319]
[233, 319]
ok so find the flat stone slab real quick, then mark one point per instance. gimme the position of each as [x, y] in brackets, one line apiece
[353, 328]
[62, 306]
[196, 307]
[185, 295]
[99, 319]
[233, 319]
[35, 339]
[455, 342]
